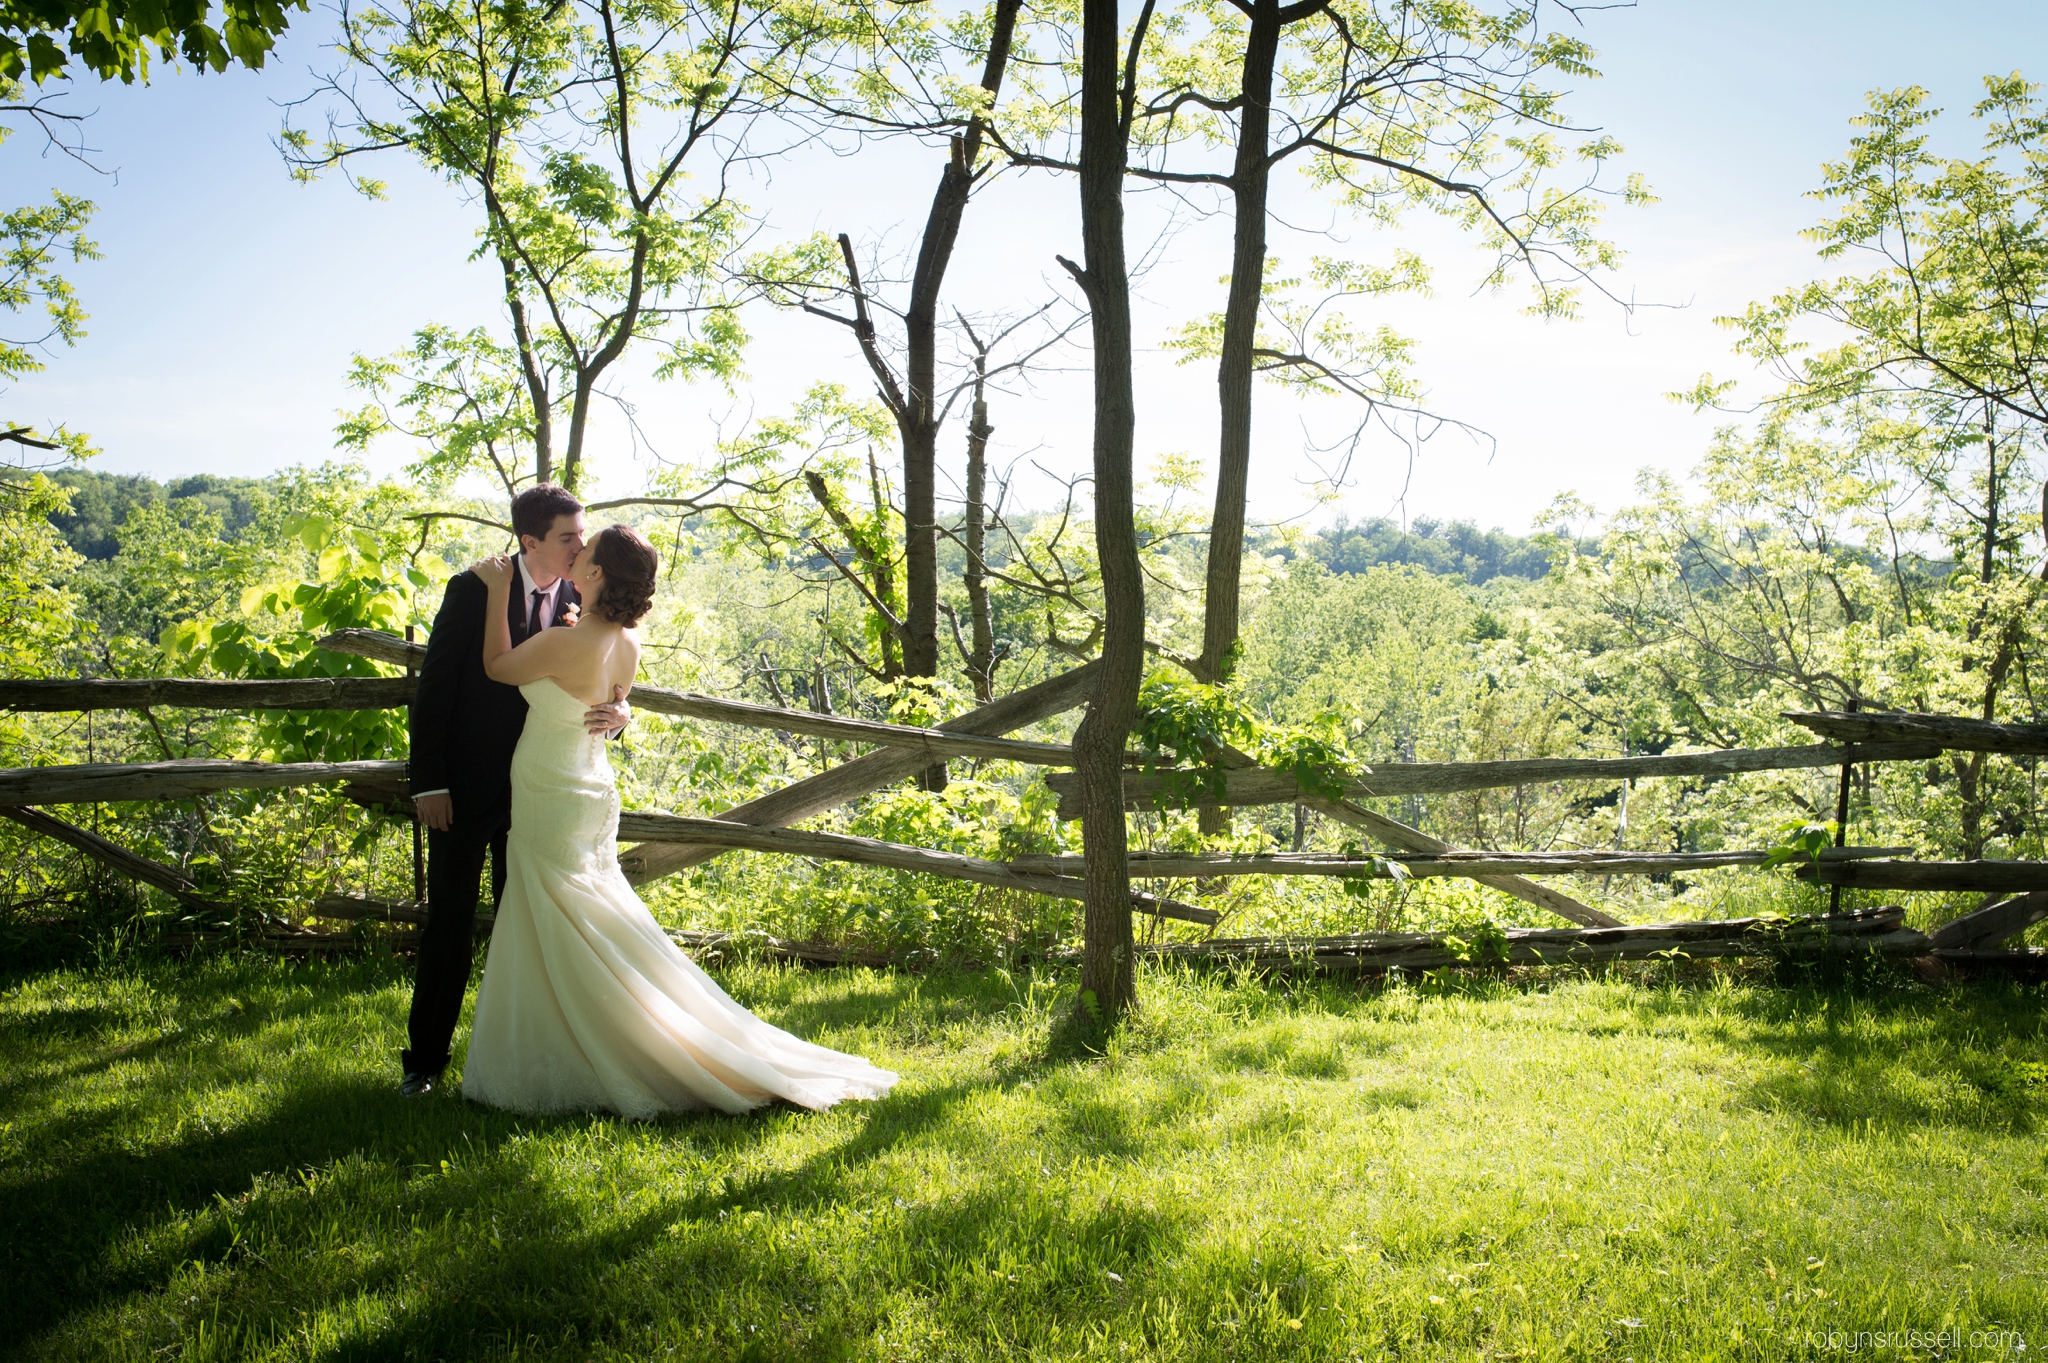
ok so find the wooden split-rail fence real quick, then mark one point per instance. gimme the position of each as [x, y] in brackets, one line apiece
[663, 844]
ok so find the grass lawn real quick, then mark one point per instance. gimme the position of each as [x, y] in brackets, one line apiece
[206, 1160]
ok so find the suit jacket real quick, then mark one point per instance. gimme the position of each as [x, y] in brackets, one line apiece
[464, 725]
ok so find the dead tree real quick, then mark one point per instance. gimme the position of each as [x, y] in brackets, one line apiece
[913, 398]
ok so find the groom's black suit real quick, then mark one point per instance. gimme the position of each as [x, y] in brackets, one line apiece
[464, 728]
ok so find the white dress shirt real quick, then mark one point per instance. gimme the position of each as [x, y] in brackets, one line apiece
[548, 599]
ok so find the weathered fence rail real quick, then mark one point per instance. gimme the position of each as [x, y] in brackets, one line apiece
[1949, 731]
[868, 773]
[2000, 877]
[1878, 931]
[294, 693]
[1178, 865]
[1990, 925]
[390, 693]
[719, 833]
[1263, 786]
[117, 858]
[667, 843]
[108, 782]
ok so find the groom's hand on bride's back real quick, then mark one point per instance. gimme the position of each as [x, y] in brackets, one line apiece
[436, 811]
[610, 717]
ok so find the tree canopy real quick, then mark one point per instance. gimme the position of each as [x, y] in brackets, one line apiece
[116, 39]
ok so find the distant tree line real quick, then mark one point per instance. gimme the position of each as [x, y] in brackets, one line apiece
[101, 502]
[1452, 548]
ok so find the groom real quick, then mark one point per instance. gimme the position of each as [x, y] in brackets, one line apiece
[464, 727]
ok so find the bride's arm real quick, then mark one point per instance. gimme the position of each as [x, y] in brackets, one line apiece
[496, 575]
[547, 654]
[540, 656]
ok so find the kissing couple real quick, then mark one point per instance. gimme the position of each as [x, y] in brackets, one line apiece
[586, 1004]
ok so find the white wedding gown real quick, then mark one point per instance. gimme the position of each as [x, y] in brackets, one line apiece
[586, 1005]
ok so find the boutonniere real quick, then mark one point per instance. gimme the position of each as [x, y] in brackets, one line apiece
[571, 613]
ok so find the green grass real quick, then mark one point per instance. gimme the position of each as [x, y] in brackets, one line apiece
[206, 1161]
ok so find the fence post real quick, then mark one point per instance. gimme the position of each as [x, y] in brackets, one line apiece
[1842, 814]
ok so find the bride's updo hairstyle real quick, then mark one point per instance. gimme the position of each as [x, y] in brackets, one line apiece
[630, 569]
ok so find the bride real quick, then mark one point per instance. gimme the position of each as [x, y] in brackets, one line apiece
[586, 1005]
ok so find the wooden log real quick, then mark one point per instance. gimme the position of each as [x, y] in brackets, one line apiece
[2004, 877]
[1262, 786]
[295, 943]
[95, 782]
[712, 945]
[1179, 865]
[864, 775]
[1876, 931]
[165, 878]
[705, 945]
[933, 743]
[1948, 731]
[389, 795]
[378, 646]
[719, 833]
[297, 693]
[1394, 833]
[356, 908]
[1989, 926]
[2026, 963]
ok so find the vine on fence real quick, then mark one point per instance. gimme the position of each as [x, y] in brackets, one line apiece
[1801, 841]
[1197, 723]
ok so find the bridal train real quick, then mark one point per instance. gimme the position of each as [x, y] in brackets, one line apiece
[586, 1005]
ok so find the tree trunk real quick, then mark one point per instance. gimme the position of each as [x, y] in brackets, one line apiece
[920, 527]
[981, 660]
[1970, 770]
[1108, 963]
[579, 413]
[1248, 182]
[919, 417]
[535, 375]
[1970, 799]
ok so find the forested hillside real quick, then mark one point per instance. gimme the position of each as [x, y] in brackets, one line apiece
[1456, 548]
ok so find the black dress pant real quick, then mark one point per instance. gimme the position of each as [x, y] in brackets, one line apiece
[455, 863]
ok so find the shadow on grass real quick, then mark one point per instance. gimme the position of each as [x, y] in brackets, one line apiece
[1860, 1042]
[118, 1218]
[512, 1251]
[1902, 1058]
[1863, 1044]
[734, 1291]
[504, 1244]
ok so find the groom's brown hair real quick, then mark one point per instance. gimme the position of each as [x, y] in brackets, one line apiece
[535, 511]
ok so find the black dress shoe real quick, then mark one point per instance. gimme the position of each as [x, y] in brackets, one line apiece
[417, 1085]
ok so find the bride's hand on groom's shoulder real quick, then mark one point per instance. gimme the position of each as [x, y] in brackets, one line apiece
[493, 571]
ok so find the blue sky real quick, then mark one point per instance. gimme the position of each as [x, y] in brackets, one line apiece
[230, 299]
